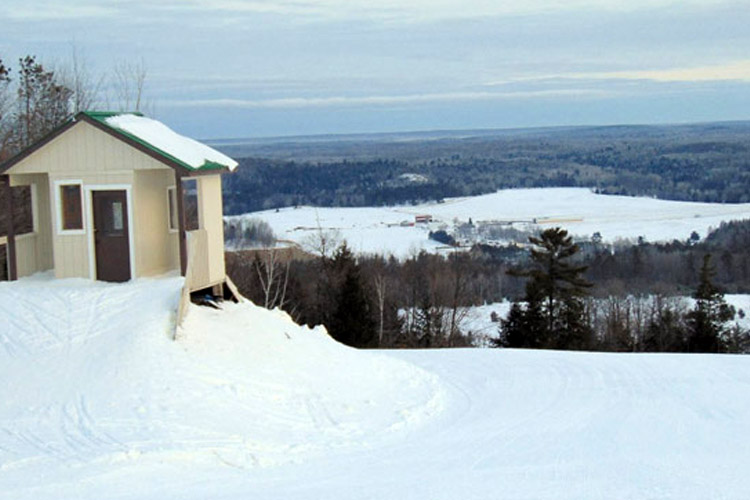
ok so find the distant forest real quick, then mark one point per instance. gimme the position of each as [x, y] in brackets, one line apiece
[703, 162]
[359, 298]
[370, 301]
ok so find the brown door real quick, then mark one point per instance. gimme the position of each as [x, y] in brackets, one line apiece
[111, 239]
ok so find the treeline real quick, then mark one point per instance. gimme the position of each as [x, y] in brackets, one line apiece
[671, 268]
[36, 98]
[556, 313]
[31, 106]
[709, 163]
[367, 301]
[371, 301]
[640, 267]
[260, 184]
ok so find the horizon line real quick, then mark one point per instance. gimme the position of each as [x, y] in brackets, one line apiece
[481, 130]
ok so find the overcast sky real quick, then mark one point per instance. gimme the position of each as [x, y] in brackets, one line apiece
[235, 68]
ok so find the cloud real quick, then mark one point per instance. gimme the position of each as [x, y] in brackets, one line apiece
[427, 10]
[381, 100]
[56, 10]
[734, 71]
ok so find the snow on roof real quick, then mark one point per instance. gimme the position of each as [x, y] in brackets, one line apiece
[154, 134]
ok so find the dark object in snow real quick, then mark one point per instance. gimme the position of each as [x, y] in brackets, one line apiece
[208, 301]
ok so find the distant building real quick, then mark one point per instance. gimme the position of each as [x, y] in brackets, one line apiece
[422, 219]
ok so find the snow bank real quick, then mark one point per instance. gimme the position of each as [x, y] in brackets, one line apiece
[93, 386]
[97, 402]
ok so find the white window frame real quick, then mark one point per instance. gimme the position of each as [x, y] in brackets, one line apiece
[58, 207]
[172, 191]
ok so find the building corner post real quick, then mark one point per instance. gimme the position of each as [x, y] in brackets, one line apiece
[182, 234]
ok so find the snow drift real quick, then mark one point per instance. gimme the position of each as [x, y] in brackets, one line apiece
[93, 382]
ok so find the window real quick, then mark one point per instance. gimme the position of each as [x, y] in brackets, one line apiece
[70, 201]
[190, 201]
[23, 216]
[189, 204]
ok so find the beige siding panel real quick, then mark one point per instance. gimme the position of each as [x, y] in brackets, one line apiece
[209, 259]
[85, 149]
[71, 256]
[198, 260]
[44, 225]
[213, 214]
[26, 256]
[157, 249]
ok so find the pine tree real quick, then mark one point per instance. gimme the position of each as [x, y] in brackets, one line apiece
[43, 102]
[352, 319]
[706, 320]
[553, 315]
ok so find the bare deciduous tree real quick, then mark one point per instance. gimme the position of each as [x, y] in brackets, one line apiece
[5, 110]
[273, 276]
[381, 288]
[129, 84]
[77, 77]
[323, 242]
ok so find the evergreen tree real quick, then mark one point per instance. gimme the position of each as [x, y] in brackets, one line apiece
[43, 102]
[554, 313]
[352, 319]
[706, 321]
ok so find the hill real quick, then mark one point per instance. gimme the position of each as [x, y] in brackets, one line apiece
[698, 162]
[502, 217]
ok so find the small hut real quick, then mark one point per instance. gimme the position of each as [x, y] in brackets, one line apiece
[114, 197]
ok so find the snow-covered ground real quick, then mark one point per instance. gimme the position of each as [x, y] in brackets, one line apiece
[98, 402]
[377, 229]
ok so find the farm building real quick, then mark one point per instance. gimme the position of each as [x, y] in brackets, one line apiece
[113, 197]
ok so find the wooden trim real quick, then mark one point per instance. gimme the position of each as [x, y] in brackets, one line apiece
[60, 217]
[182, 234]
[11, 232]
[11, 162]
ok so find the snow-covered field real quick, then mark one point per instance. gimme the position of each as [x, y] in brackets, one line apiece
[377, 229]
[98, 402]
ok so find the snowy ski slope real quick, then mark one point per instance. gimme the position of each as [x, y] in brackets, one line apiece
[98, 402]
